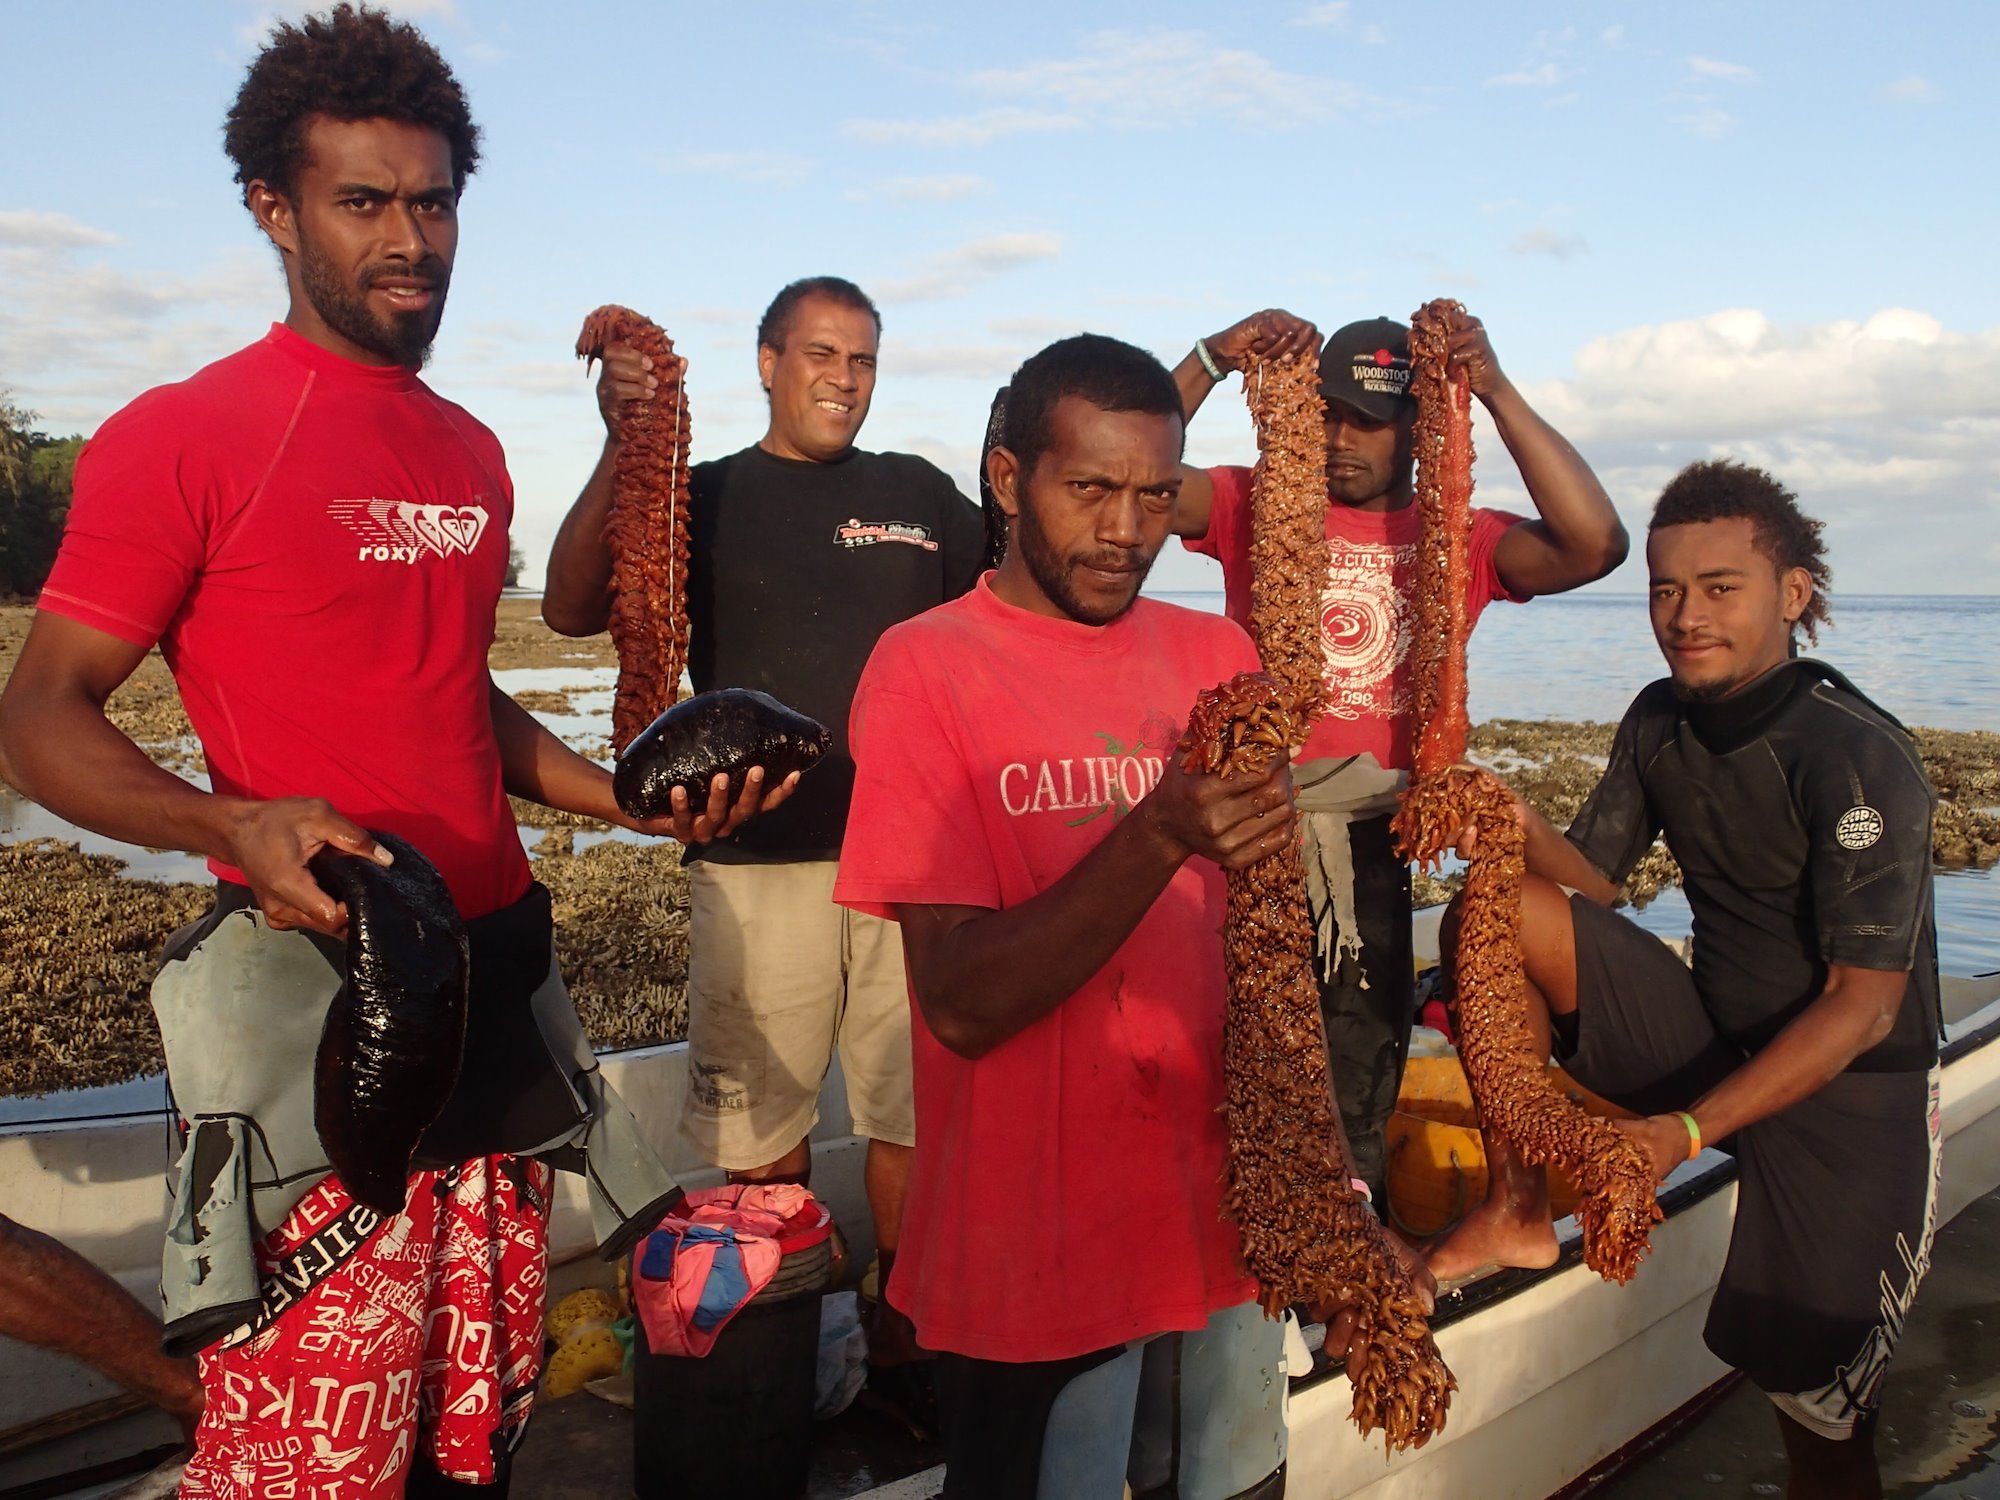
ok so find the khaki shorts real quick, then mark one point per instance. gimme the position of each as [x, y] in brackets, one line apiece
[778, 976]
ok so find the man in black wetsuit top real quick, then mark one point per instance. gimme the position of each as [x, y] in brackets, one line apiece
[1804, 1040]
[802, 550]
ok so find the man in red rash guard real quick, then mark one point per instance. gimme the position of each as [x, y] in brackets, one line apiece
[317, 542]
[1348, 773]
[1019, 810]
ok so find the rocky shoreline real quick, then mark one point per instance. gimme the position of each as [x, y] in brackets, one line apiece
[77, 935]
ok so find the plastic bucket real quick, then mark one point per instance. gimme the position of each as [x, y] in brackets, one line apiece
[737, 1421]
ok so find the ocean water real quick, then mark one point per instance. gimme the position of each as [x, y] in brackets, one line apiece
[1929, 660]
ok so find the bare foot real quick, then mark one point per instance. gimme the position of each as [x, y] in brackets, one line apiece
[1499, 1232]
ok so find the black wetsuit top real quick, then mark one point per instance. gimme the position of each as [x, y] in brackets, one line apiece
[795, 571]
[1801, 818]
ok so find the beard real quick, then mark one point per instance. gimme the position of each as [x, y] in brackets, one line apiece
[402, 338]
[1052, 571]
[1704, 692]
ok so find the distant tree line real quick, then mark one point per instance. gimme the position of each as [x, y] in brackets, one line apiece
[35, 471]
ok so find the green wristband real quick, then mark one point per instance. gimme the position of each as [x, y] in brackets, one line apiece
[1207, 360]
[1694, 1134]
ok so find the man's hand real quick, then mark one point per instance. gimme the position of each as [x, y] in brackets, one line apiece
[720, 817]
[1472, 354]
[270, 843]
[629, 375]
[1340, 1322]
[1661, 1139]
[1234, 823]
[1271, 334]
[1468, 836]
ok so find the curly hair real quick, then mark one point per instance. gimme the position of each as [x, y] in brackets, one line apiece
[350, 64]
[1721, 489]
[776, 324]
[1108, 373]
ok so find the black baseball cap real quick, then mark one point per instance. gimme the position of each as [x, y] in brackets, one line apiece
[1366, 366]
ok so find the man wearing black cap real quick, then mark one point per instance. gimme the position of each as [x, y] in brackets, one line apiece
[1357, 758]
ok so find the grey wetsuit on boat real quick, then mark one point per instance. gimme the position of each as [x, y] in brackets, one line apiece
[1801, 818]
[240, 1006]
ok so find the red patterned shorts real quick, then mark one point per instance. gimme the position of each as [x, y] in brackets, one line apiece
[378, 1335]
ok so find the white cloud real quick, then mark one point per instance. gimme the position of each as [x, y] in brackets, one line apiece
[1328, 15]
[1373, 35]
[1709, 124]
[764, 168]
[942, 187]
[1735, 373]
[1548, 242]
[719, 317]
[49, 231]
[1885, 426]
[1163, 77]
[257, 30]
[1912, 89]
[1035, 328]
[952, 273]
[79, 338]
[1611, 36]
[1540, 76]
[1728, 72]
[970, 361]
[958, 130]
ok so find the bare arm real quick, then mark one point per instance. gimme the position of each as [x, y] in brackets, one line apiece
[981, 976]
[60, 749]
[1553, 856]
[1548, 854]
[576, 598]
[1577, 536]
[1854, 1012]
[535, 764]
[1271, 334]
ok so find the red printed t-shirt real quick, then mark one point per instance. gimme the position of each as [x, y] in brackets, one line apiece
[1067, 1192]
[1366, 617]
[317, 546]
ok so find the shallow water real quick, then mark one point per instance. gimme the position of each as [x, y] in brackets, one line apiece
[1929, 660]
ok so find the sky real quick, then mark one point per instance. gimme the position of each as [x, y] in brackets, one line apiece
[1709, 229]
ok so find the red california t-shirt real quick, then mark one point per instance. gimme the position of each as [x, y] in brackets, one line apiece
[1067, 1191]
[317, 547]
[1366, 618]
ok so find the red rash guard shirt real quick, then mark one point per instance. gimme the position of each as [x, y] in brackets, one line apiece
[1068, 1192]
[1366, 615]
[317, 546]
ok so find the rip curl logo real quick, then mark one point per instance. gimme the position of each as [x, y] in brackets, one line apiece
[403, 531]
[1858, 828]
[855, 532]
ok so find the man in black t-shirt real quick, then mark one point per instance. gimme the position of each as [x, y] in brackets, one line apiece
[802, 551]
[1804, 1041]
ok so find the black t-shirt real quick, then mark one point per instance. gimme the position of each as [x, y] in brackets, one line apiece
[1801, 818]
[795, 570]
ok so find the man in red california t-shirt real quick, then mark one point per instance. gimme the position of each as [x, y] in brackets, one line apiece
[1357, 758]
[316, 541]
[1059, 881]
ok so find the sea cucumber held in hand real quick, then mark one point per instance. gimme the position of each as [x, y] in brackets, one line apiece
[390, 1048]
[726, 731]
[648, 526]
[1307, 1235]
[1516, 1098]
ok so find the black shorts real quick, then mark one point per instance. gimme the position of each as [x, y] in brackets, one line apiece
[1836, 1196]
